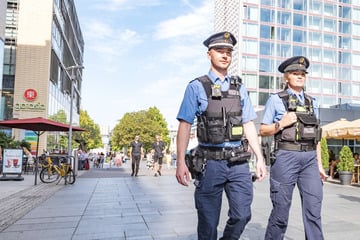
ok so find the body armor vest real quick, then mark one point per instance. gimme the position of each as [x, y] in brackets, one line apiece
[306, 130]
[222, 120]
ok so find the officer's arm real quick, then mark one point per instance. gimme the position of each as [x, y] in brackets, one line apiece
[182, 141]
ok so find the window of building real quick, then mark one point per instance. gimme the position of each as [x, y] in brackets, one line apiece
[315, 70]
[300, 5]
[268, 2]
[345, 89]
[299, 20]
[356, 29]
[344, 12]
[266, 82]
[265, 32]
[299, 36]
[250, 80]
[315, 22]
[328, 101]
[329, 72]
[356, 14]
[344, 27]
[355, 75]
[330, 9]
[251, 30]
[329, 40]
[355, 44]
[284, 18]
[299, 51]
[344, 58]
[284, 34]
[251, 46]
[250, 63]
[267, 48]
[315, 38]
[344, 42]
[315, 54]
[345, 73]
[253, 97]
[284, 50]
[263, 97]
[313, 85]
[266, 65]
[315, 6]
[251, 13]
[329, 87]
[329, 25]
[355, 88]
[284, 4]
[267, 15]
[329, 56]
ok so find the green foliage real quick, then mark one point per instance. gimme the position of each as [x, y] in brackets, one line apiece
[346, 163]
[91, 137]
[145, 123]
[324, 153]
[57, 140]
[9, 142]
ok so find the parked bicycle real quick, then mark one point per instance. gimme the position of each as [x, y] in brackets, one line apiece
[51, 172]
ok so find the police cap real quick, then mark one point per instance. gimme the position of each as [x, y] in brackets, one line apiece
[220, 40]
[298, 63]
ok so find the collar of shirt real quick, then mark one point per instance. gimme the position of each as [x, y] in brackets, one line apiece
[216, 80]
[299, 96]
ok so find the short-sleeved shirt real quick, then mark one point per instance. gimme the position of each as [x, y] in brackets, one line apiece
[158, 147]
[136, 148]
[275, 109]
[195, 102]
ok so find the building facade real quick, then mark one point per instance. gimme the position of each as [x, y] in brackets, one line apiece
[43, 59]
[269, 31]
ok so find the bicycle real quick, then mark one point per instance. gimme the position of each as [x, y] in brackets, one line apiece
[51, 172]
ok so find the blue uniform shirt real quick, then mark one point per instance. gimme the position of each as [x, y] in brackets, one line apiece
[195, 102]
[275, 109]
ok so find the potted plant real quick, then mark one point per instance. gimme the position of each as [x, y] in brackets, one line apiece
[345, 166]
[324, 154]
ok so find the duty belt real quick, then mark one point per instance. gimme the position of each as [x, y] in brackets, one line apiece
[298, 147]
[236, 154]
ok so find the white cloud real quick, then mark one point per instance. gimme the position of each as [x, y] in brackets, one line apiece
[116, 5]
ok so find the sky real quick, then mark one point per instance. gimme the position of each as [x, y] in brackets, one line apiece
[140, 54]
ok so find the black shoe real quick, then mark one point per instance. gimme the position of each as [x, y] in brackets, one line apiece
[159, 172]
[155, 175]
[132, 174]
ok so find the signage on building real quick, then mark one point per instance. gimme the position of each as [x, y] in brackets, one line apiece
[29, 95]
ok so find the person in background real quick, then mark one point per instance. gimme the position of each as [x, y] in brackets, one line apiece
[158, 151]
[356, 158]
[291, 116]
[225, 117]
[136, 154]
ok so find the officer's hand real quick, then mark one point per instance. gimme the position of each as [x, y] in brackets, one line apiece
[182, 174]
[260, 170]
[323, 174]
[288, 119]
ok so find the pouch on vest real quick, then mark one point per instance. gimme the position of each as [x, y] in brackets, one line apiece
[235, 128]
[216, 131]
[307, 129]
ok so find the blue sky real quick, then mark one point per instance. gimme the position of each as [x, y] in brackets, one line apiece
[140, 54]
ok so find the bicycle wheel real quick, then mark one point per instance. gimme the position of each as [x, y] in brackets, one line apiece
[70, 176]
[48, 175]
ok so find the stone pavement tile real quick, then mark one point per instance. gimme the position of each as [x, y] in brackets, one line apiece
[53, 234]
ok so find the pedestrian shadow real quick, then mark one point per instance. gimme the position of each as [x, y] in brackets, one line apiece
[350, 198]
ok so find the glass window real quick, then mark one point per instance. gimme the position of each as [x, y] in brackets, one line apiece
[284, 50]
[315, 38]
[300, 5]
[266, 48]
[345, 73]
[268, 2]
[356, 29]
[284, 18]
[345, 12]
[329, 72]
[265, 32]
[267, 15]
[329, 25]
[356, 44]
[328, 101]
[284, 34]
[329, 9]
[356, 75]
[250, 80]
[344, 58]
[251, 30]
[251, 13]
[315, 6]
[329, 87]
[264, 82]
[299, 36]
[251, 46]
[344, 27]
[250, 63]
[315, 22]
[263, 97]
[329, 56]
[355, 90]
[344, 42]
[356, 14]
[253, 97]
[299, 20]
[299, 51]
[355, 59]
[345, 88]
[284, 4]
[266, 65]
[315, 70]
[329, 40]
[315, 54]
[313, 85]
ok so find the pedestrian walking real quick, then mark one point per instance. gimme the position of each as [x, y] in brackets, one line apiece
[292, 117]
[136, 154]
[224, 129]
[158, 151]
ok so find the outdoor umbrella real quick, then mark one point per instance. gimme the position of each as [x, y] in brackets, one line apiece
[331, 130]
[39, 125]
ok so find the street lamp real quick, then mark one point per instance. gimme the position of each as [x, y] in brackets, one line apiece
[72, 78]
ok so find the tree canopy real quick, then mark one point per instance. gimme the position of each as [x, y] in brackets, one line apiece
[145, 123]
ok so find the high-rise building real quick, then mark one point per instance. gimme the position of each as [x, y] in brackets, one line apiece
[269, 31]
[43, 59]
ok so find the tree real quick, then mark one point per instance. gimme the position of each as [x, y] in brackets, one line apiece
[91, 137]
[57, 140]
[145, 123]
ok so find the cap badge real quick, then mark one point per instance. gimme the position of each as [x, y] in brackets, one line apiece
[226, 36]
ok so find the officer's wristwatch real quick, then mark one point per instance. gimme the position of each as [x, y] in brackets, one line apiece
[278, 127]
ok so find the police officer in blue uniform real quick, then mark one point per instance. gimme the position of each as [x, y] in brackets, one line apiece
[224, 129]
[292, 117]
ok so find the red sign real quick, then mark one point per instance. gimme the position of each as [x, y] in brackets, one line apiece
[30, 94]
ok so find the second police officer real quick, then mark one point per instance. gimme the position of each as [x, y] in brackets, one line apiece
[224, 116]
[292, 117]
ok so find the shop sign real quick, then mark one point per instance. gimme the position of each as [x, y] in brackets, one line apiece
[30, 94]
[29, 107]
[12, 161]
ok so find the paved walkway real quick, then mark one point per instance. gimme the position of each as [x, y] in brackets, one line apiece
[109, 204]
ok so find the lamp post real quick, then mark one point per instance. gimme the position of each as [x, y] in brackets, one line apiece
[72, 78]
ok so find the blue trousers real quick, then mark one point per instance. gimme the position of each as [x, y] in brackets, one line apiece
[292, 168]
[236, 181]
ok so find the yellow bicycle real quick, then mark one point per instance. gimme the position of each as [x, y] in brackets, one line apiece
[51, 172]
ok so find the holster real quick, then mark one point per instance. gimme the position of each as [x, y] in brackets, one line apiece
[195, 162]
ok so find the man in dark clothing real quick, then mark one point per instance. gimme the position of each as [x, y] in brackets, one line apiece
[158, 151]
[136, 153]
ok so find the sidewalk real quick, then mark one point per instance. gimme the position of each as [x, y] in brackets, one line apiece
[146, 207]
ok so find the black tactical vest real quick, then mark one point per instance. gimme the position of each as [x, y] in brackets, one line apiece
[222, 120]
[306, 130]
